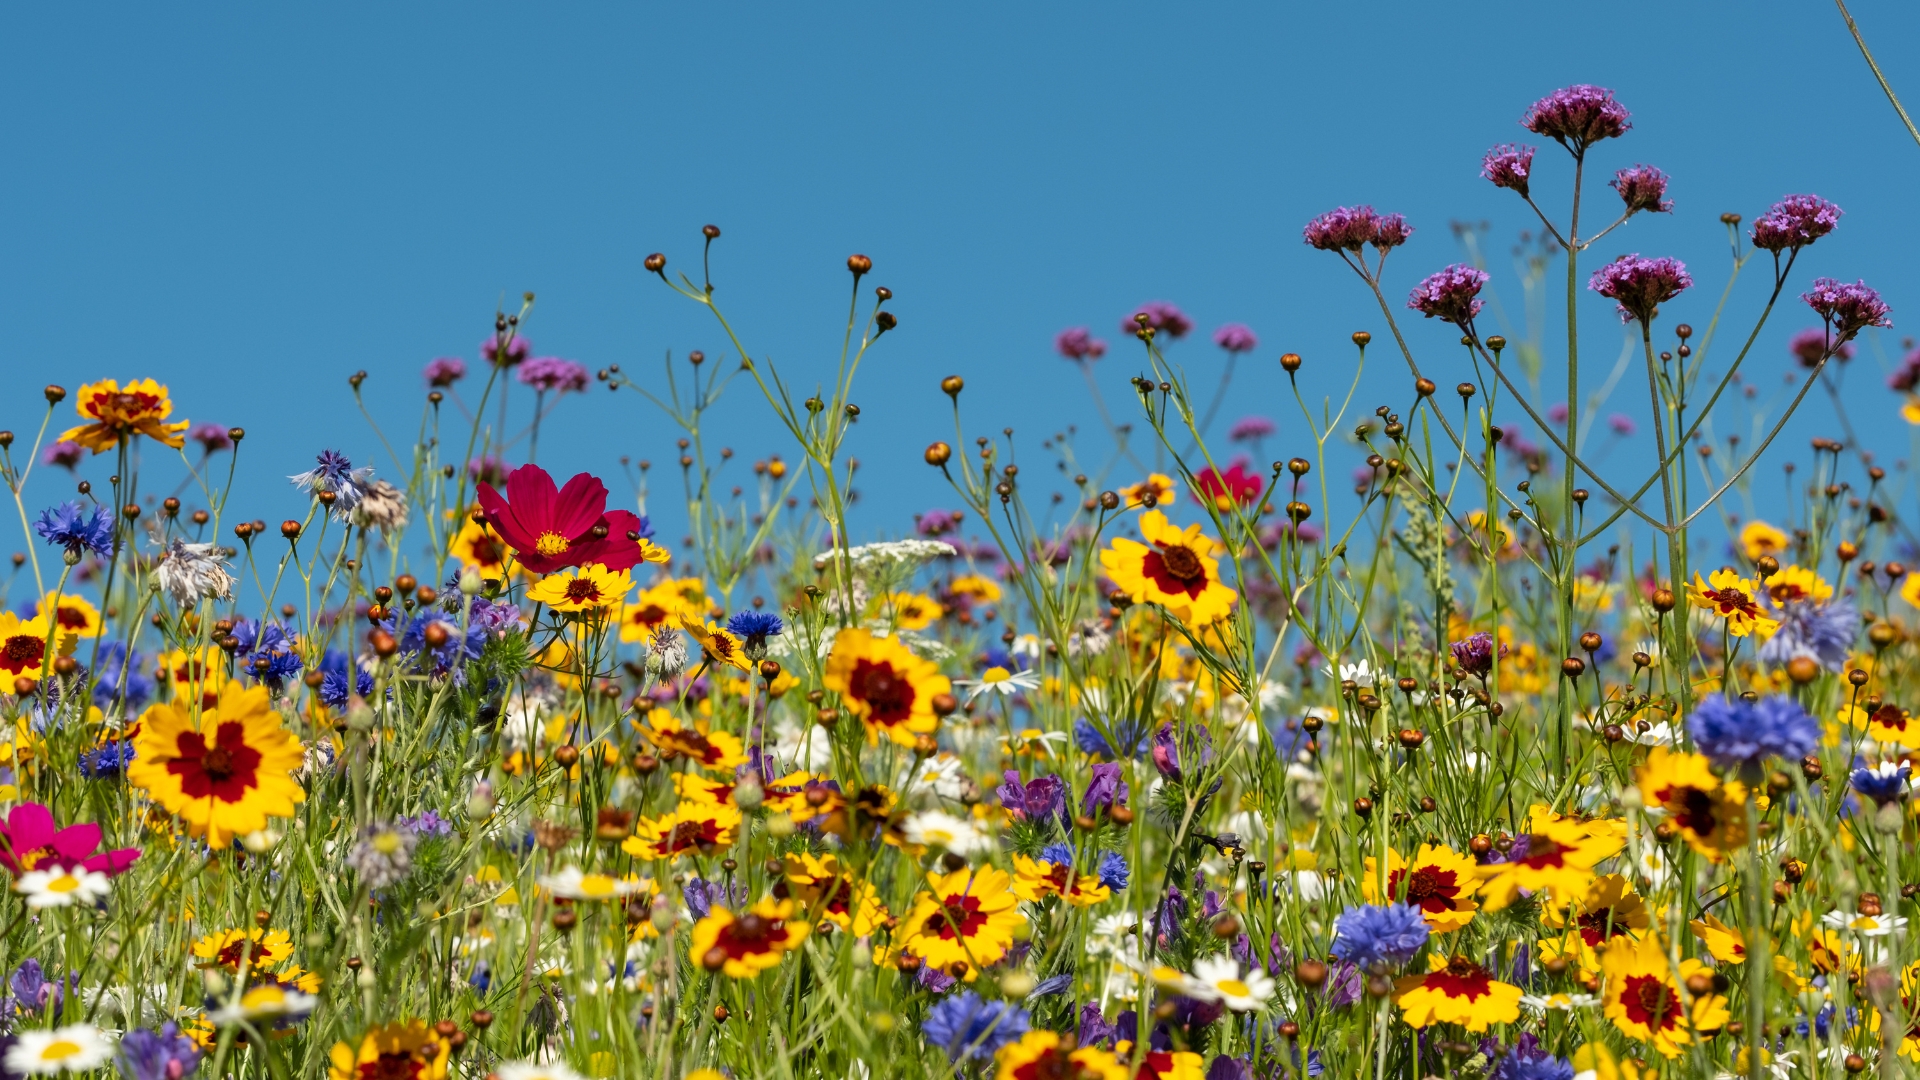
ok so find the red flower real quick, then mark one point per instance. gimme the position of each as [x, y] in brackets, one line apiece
[553, 529]
[1237, 486]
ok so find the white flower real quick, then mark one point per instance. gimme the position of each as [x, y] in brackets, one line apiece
[1027, 645]
[805, 748]
[190, 572]
[1218, 978]
[1864, 925]
[268, 1001]
[572, 884]
[1309, 886]
[1361, 672]
[62, 887]
[943, 776]
[528, 1070]
[1660, 734]
[998, 680]
[74, 1048]
[1111, 933]
[1561, 1002]
[937, 828]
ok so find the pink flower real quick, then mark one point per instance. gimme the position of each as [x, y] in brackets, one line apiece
[517, 351]
[445, 371]
[1794, 222]
[1509, 166]
[1250, 429]
[1810, 347]
[1236, 338]
[29, 841]
[1452, 295]
[1078, 343]
[1642, 188]
[1577, 117]
[1235, 486]
[1163, 317]
[1848, 309]
[1640, 285]
[65, 454]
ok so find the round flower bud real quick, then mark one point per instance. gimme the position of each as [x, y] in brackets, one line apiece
[938, 453]
[1361, 338]
[711, 232]
[1290, 362]
[952, 385]
[859, 264]
[1663, 600]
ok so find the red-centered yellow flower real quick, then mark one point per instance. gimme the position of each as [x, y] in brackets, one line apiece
[1710, 814]
[74, 614]
[700, 828]
[1169, 1065]
[963, 921]
[587, 588]
[1456, 991]
[480, 549]
[406, 1051]
[912, 611]
[1831, 953]
[1728, 945]
[1155, 490]
[1558, 858]
[1038, 879]
[716, 751]
[1888, 725]
[744, 946]
[825, 890]
[660, 604]
[1039, 1055]
[1794, 583]
[1595, 1060]
[692, 787]
[194, 678]
[1731, 597]
[975, 587]
[1758, 538]
[23, 647]
[1175, 569]
[885, 685]
[115, 413]
[255, 948]
[1609, 909]
[1440, 883]
[225, 774]
[1646, 1002]
[719, 646]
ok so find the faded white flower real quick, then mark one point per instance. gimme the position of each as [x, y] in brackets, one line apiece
[192, 572]
[382, 507]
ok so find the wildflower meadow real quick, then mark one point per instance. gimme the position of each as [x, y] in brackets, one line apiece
[1315, 738]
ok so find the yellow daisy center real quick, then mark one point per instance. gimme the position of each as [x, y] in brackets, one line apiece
[1235, 987]
[65, 883]
[386, 843]
[995, 675]
[550, 543]
[59, 1050]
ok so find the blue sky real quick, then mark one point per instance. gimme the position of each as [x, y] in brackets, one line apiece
[250, 202]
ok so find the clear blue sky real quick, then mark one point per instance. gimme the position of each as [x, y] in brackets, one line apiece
[249, 202]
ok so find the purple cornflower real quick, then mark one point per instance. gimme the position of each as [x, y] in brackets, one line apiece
[1847, 309]
[64, 453]
[1105, 788]
[1733, 732]
[1236, 338]
[1642, 187]
[1794, 222]
[1883, 783]
[1577, 117]
[1162, 317]
[517, 351]
[1508, 165]
[212, 438]
[1377, 936]
[1810, 347]
[549, 373]
[1078, 343]
[1343, 229]
[72, 526]
[1621, 423]
[444, 371]
[1250, 429]
[1906, 377]
[1475, 654]
[158, 1055]
[968, 1026]
[1528, 1060]
[1640, 285]
[1452, 295]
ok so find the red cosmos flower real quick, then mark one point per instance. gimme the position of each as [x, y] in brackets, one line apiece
[552, 529]
[1237, 486]
[29, 841]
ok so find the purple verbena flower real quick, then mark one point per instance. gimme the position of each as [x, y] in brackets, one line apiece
[1810, 347]
[937, 522]
[517, 351]
[1847, 309]
[1078, 343]
[1250, 429]
[550, 373]
[1621, 424]
[1508, 165]
[444, 371]
[1162, 318]
[1235, 338]
[1906, 377]
[1390, 231]
[1642, 187]
[1452, 295]
[1794, 222]
[65, 454]
[1343, 229]
[1475, 654]
[1577, 117]
[1639, 286]
[211, 437]
[1558, 412]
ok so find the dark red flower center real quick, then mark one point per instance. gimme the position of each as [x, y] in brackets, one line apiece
[1052, 1064]
[888, 696]
[1600, 924]
[1542, 852]
[649, 615]
[225, 769]
[1693, 808]
[1461, 978]
[1430, 888]
[751, 935]
[21, 652]
[965, 909]
[583, 591]
[393, 1067]
[686, 834]
[1175, 568]
[488, 550]
[1650, 1001]
[70, 618]
[1732, 602]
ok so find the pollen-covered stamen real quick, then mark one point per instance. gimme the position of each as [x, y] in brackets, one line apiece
[550, 543]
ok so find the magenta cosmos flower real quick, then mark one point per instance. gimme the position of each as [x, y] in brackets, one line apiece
[1452, 295]
[1794, 222]
[1236, 485]
[29, 840]
[1640, 285]
[1848, 309]
[1577, 117]
[553, 528]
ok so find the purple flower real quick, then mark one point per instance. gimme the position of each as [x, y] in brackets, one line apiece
[64, 453]
[1229, 1068]
[1452, 295]
[1094, 1029]
[1162, 317]
[158, 1055]
[1376, 936]
[549, 373]
[1733, 732]
[1105, 788]
[1078, 343]
[212, 438]
[1390, 232]
[1353, 228]
[1847, 309]
[1250, 429]
[1822, 631]
[488, 469]
[1558, 412]
[1640, 285]
[1509, 166]
[1475, 654]
[1642, 188]
[1907, 376]
[1577, 117]
[1166, 750]
[1621, 423]
[1810, 347]
[1794, 222]
[517, 351]
[937, 522]
[1884, 783]
[1235, 338]
[967, 1026]
[78, 528]
[1039, 800]
[444, 371]
[1528, 1060]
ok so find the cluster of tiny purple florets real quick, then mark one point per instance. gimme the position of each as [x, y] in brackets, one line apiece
[1642, 187]
[1163, 318]
[1452, 295]
[1577, 117]
[1509, 166]
[1351, 228]
[549, 373]
[1847, 308]
[1640, 285]
[1794, 222]
[1078, 343]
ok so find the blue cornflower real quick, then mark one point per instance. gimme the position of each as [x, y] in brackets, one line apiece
[158, 1055]
[1114, 871]
[965, 1026]
[336, 668]
[1057, 853]
[1733, 732]
[1883, 783]
[72, 526]
[1823, 632]
[266, 653]
[334, 473]
[1379, 935]
[1529, 1061]
[106, 762]
[753, 628]
[1129, 733]
[119, 673]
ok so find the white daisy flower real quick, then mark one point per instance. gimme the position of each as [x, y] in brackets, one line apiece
[268, 1001]
[937, 828]
[75, 1048]
[1864, 925]
[62, 887]
[573, 884]
[1218, 978]
[1559, 1002]
[999, 680]
[943, 776]
[531, 1070]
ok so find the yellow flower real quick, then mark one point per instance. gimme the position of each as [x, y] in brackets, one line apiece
[1728, 945]
[913, 611]
[23, 647]
[1731, 597]
[827, 891]
[227, 774]
[194, 679]
[1174, 569]
[963, 921]
[1792, 583]
[115, 413]
[1910, 412]
[718, 645]
[1910, 589]
[719, 751]
[1155, 490]
[409, 1050]
[1456, 991]
[1608, 910]
[480, 549]
[1711, 815]
[692, 826]
[661, 603]
[257, 949]
[1039, 1055]
[1646, 1002]
[744, 946]
[1758, 538]
[75, 615]
[1037, 880]
[1595, 1060]
[885, 685]
[1559, 859]
[588, 588]
[975, 587]
[1440, 883]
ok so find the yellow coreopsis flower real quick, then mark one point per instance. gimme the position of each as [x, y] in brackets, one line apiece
[1559, 859]
[588, 588]
[1710, 814]
[1731, 597]
[23, 646]
[409, 1049]
[225, 774]
[1646, 1002]
[114, 413]
[1758, 538]
[743, 946]
[882, 682]
[1456, 991]
[1175, 569]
